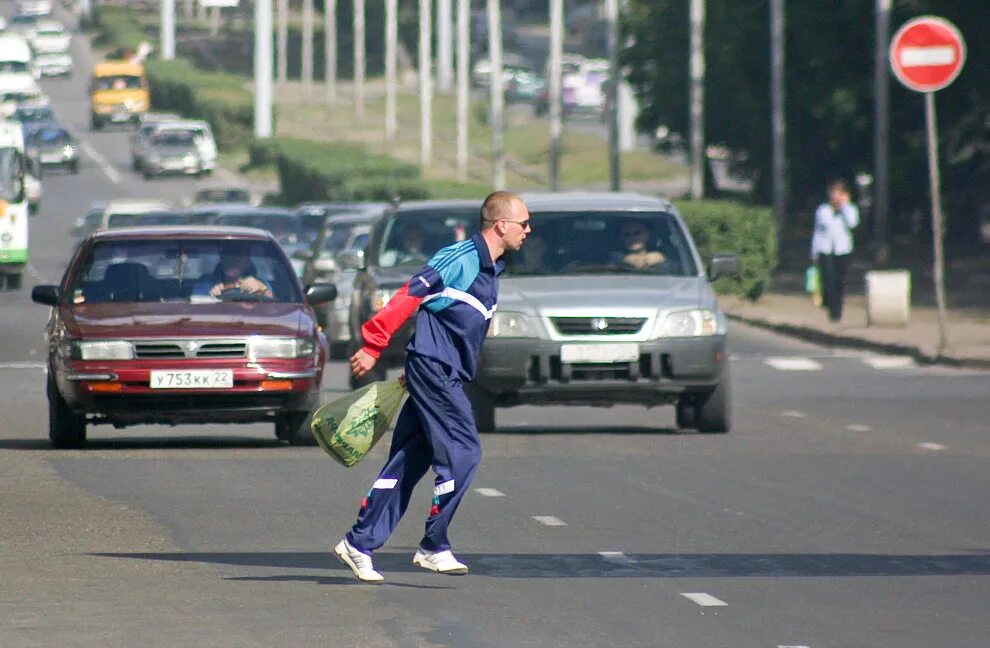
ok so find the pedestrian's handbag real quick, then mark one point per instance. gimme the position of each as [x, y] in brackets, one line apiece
[348, 428]
[813, 284]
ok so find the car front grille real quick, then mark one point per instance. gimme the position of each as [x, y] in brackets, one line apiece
[598, 325]
[147, 350]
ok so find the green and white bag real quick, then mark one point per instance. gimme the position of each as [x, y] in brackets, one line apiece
[348, 428]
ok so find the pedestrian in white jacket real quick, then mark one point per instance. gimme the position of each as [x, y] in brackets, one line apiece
[832, 244]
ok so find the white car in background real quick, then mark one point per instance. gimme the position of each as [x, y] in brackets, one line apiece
[19, 89]
[50, 37]
[52, 64]
[34, 7]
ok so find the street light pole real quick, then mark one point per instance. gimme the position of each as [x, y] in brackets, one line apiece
[445, 53]
[168, 29]
[359, 60]
[881, 129]
[697, 99]
[612, 17]
[330, 48]
[556, 55]
[263, 68]
[391, 47]
[425, 86]
[777, 119]
[463, 60]
[307, 47]
[283, 41]
[497, 98]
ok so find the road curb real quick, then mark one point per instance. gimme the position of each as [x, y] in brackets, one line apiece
[827, 338]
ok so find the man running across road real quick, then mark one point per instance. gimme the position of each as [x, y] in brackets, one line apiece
[456, 294]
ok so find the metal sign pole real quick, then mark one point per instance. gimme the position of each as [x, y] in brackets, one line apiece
[938, 270]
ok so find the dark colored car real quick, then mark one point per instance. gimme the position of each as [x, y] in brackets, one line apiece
[283, 224]
[32, 117]
[222, 195]
[54, 147]
[172, 152]
[401, 242]
[134, 336]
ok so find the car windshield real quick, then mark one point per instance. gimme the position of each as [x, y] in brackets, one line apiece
[34, 114]
[20, 97]
[173, 138]
[591, 242]
[281, 226]
[11, 175]
[337, 238]
[13, 67]
[143, 270]
[223, 195]
[50, 136]
[117, 82]
[160, 218]
[412, 237]
[23, 20]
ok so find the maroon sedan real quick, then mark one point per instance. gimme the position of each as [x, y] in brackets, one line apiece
[192, 325]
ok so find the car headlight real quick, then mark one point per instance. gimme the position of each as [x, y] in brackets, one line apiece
[512, 325]
[152, 158]
[381, 298]
[68, 151]
[267, 348]
[688, 323]
[189, 159]
[101, 350]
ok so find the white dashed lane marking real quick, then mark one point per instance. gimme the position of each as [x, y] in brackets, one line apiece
[859, 427]
[793, 414]
[890, 362]
[793, 364]
[489, 492]
[931, 446]
[793, 646]
[549, 520]
[704, 600]
[105, 166]
[617, 557]
[23, 365]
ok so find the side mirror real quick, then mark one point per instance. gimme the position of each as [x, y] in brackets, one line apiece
[320, 293]
[723, 265]
[352, 259]
[48, 295]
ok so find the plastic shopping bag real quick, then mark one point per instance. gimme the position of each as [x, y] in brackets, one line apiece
[348, 428]
[813, 284]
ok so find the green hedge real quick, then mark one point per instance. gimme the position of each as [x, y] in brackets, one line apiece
[746, 230]
[221, 99]
[117, 29]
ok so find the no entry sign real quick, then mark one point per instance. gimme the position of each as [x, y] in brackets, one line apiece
[927, 54]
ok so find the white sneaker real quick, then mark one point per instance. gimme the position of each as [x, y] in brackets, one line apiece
[359, 562]
[442, 562]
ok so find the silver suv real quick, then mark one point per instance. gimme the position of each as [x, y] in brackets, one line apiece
[608, 302]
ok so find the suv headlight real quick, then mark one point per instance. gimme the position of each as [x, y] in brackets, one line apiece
[688, 323]
[97, 350]
[267, 348]
[507, 324]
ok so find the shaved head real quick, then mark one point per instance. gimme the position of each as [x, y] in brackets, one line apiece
[497, 205]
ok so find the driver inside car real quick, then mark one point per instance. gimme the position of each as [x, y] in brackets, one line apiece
[234, 272]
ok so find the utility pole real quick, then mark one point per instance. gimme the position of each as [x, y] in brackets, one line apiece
[262, 68]
[445, 51]
[189, 8]
[168, 29]
[283, 41]
[555, 81]
[391, 47]
[881, 130]
[697, 105]
[359, 60]
[307, 47]
[200, 10]
[330, 48]
[497, 97]
[777, 118]
[425, 87]
[614, 74]
[215, 21]
[463, 62]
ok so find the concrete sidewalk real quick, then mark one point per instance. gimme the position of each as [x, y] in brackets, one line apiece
[794, 314]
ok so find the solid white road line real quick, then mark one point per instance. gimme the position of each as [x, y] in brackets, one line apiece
[859, 427]
[795, 646]
[489, 492]
[105, 166]
[617, 557]
[549, 520]
[931, 446]
[23, 365]
[889, 362]
[793, 414]
[793, 364]
[704, 600]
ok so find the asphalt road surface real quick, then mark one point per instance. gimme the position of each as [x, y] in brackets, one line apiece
[847, 508]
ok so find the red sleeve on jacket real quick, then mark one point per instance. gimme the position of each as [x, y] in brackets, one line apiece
[379, 329]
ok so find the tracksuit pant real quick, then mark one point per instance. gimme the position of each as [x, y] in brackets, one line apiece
[833, 268]
[435, 428]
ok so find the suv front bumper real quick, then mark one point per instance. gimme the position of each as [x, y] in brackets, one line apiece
[529, 371]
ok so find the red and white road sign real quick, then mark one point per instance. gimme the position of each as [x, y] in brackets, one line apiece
[927, 53]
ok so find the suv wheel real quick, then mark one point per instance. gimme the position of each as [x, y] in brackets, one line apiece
[66, 429]
[483, 404]
[293, 428]
[707, 411]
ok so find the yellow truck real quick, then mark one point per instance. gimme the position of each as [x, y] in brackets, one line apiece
[118, 93]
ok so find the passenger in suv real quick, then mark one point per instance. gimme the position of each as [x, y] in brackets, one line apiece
[612, 304]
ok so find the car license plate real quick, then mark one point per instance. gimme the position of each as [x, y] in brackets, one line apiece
[120, 117]
[599, 353]
[193, 379]
[51, 159]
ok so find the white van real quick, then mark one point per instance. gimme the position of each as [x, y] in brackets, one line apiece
[13, 206]
[206, 145]
[17, 89]
[16, 57]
